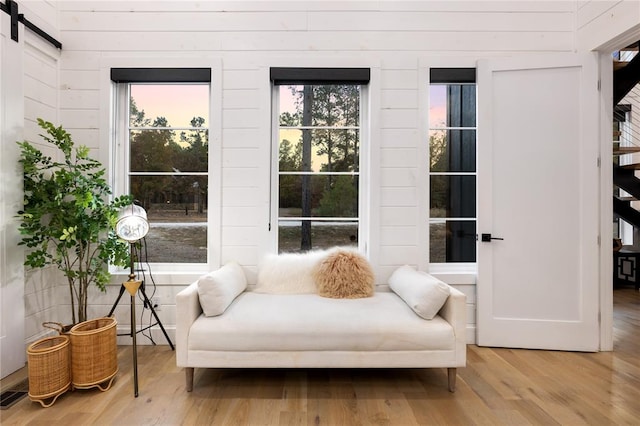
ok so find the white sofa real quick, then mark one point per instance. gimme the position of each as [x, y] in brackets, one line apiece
[254, 328]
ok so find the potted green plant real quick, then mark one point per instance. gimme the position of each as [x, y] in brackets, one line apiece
[68, 217]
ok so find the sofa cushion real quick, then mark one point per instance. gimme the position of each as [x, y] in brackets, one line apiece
[424, 293]
[308, 322]
[217, 289]
[288, 273]
[344, 274]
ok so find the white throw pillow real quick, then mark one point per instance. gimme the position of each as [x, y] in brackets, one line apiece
[289, 273]
[219, 288]
[424, 293]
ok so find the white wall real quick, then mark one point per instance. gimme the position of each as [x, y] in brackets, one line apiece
[40, 85]
[393, 37]
[600, 22]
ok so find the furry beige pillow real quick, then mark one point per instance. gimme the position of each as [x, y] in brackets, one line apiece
[344, 274]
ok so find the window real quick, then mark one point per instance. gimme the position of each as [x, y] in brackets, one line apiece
[163, 150]
[452, 165]
[318, 142]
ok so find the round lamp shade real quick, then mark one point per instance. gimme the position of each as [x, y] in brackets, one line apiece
[132, 223]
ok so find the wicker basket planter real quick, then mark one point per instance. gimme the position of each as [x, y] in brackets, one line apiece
[94, 354]
[49, 366]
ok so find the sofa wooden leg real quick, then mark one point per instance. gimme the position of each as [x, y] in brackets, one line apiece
[189, 376]
[451, 373]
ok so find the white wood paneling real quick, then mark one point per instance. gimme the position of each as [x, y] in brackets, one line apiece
[79, 79]
[242, 137]
[400, 98]
[249, 157]
[240, 216]
[37, 92]
[42, 13]
[34, 109]
[239, 99]
[12, 312]
[41, 100]
[241, 118]
[79, 99]
[240, 177]
[245, 255]
[399, 157]
[398, 236]
[243, 236]
[400, 176]
[399, 118]
[433, 21]
[41, 67]
[607, 25]
[305, 5]
[399, 138]
[398, 196]
[283, 41]
[250, 36]
[400, 79]
[174, 22]
[240, 196]
[240, 79]
[73, 119]
[399, 216]
[398, 255]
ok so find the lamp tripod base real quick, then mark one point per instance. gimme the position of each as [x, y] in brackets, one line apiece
[132, 286]
[147, 302]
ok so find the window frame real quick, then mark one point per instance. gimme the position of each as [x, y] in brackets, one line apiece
[113, 153]
[323, 76]
[455, 271]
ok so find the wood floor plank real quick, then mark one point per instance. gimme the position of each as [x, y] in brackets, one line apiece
[498, 387]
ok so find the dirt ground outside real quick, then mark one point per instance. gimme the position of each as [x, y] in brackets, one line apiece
[178, 238]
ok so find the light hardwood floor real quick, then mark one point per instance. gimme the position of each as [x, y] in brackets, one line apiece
[498, 387]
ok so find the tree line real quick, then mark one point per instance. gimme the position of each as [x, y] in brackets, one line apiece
[155, 147]
[329, 117]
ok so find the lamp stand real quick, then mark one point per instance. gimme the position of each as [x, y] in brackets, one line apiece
[132, 286]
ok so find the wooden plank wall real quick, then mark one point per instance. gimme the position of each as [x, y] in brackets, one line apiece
[41, 100]
[599, 22]
[247, 38]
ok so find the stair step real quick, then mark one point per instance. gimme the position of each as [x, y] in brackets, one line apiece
[622, 150]
[629, 198]
[635, 166]
[617, 65]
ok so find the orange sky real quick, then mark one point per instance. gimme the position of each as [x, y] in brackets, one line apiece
[178, 103]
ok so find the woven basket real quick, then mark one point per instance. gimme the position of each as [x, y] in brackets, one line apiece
[49, 366]
[94, 353]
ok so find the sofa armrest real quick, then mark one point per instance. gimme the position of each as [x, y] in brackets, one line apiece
[188, 309]
[454, 312]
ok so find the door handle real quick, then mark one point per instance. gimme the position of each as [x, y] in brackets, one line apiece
[486, 238]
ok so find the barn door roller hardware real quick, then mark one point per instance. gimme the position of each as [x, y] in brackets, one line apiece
[10, 7]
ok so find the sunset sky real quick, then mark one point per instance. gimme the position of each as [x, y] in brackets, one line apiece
[178, 103]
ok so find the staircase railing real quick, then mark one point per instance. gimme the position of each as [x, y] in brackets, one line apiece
[627, 147]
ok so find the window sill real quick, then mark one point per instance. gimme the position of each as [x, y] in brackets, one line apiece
[182, 274]
[455, 273]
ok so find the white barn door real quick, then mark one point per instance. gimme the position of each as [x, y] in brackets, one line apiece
[12, 347]
[538, 190]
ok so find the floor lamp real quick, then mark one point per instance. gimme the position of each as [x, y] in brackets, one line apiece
[132, 226]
